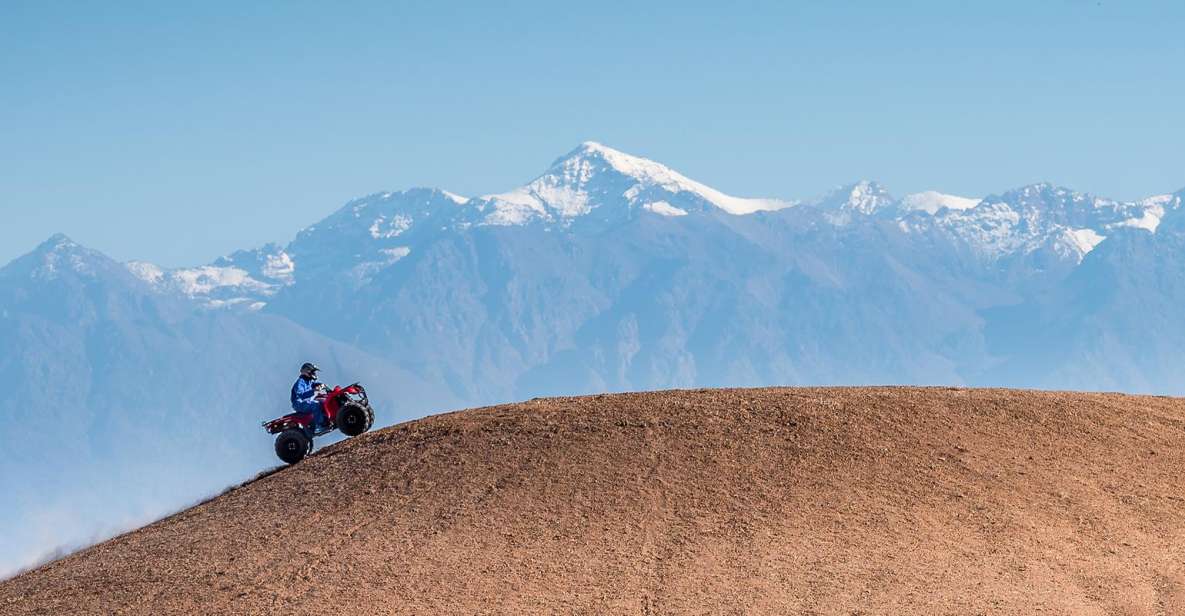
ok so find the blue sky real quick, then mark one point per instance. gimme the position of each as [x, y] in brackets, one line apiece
[178, 133]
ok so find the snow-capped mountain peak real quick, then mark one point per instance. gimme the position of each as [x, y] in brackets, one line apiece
[59, 246]
[594, 175]
[56, 242]
[387, 215]
[650, 174]
[863, 198]
[59, 256]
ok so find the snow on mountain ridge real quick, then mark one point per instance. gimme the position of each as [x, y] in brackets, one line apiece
[648, 172]
[209, 283]
[1084, 240]
[663, 208]
[387, 215]
[279, 266]
[202, 280]
[594, 178]
[458, 199]
[1027, 219]
[148, 272]
[364, 271]
[382, 228]
[1154, 210]
[931, 201]
[244, 277]
[566, 190]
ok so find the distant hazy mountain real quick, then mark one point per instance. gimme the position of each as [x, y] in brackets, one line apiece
[139, 387]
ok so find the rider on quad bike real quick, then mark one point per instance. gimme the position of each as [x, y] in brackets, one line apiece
[319, 410]
[304, 395]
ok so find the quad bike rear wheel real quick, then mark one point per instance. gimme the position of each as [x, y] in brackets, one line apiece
[292, 445]
[354, 419]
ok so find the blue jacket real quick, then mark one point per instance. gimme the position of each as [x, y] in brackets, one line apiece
[303, 394]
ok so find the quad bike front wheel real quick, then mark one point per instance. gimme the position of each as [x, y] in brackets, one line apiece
[354, 419]
[293, 445]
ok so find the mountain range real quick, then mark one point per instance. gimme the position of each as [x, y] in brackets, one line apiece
[140, 388]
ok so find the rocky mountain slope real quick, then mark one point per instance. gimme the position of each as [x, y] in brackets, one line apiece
[802, 501]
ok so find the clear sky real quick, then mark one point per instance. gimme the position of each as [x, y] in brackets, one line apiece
[177, 132]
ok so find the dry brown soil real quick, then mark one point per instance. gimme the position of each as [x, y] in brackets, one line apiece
[744, 501]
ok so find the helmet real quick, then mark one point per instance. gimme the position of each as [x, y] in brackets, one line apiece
[309, 370]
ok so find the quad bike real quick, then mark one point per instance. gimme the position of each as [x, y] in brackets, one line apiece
[346, 409]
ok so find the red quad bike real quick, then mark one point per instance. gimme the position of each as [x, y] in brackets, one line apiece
[346, 409]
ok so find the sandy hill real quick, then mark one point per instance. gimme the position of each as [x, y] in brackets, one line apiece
[781, 501]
